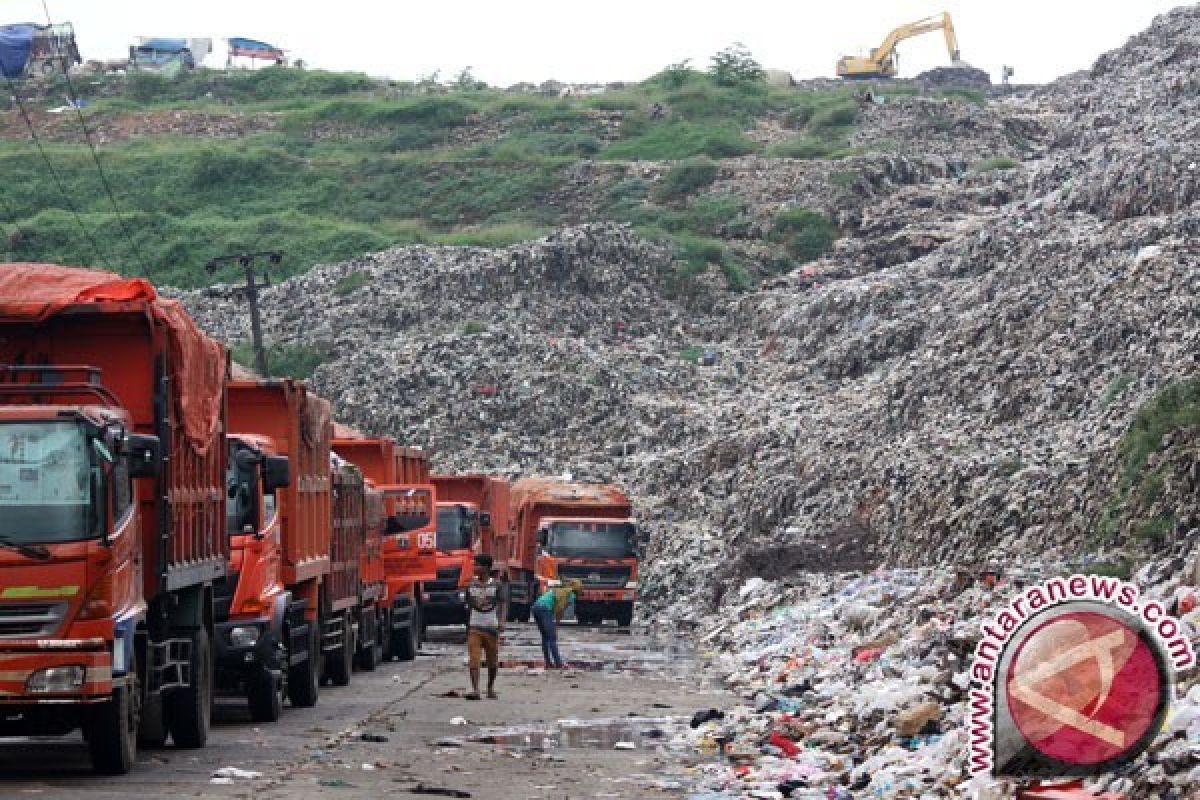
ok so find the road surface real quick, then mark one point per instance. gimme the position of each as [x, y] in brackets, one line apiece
[623, 690]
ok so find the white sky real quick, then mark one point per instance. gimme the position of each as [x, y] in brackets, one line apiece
[506, 41]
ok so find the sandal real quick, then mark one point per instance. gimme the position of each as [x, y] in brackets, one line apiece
[492, 694]
[472, 696]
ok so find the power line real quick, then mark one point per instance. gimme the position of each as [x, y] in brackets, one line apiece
[96, 249]
[87, 136]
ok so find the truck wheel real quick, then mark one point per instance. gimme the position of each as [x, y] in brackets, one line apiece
[369, 654]
[387, 648]
[152, 728]
[409, 641]
[111, 730]
[189, 711]
[523, 612]
[263, 696]
[625, 616]
[340, 663]
[303, 683]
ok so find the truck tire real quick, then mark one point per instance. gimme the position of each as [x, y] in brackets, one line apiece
[387, 651]
[304, 680]
[152, 727]
[370, 652]
[111, 730]
[625, 616]
[408, 641]
[189, 711]
[340, 663]
[264, 696]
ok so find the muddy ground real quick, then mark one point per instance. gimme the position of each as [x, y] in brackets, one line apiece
[625, 689]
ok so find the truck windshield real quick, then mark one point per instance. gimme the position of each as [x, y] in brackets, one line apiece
[46, 477]
[591, 539]
[453, 528]
[241, 485]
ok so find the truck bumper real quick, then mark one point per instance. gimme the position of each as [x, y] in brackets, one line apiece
[444, 607]
[607, 598]
[236, 658]
[21, 661]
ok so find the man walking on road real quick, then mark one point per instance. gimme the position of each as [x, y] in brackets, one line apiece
[484, 626]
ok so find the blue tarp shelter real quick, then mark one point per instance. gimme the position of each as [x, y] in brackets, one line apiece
[16, 41]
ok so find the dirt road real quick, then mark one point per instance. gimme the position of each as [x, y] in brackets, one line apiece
[622, 690]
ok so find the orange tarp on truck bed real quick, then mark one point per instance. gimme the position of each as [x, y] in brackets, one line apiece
[38, 291]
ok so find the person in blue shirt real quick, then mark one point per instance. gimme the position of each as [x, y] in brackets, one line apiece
[548, 610]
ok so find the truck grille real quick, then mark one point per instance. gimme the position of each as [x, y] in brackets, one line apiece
[24, 620]
[608, 577]
[447, 578]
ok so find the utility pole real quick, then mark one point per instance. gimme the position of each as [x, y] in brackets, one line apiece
[246, 262]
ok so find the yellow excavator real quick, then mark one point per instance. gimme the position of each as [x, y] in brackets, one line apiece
[882, 61]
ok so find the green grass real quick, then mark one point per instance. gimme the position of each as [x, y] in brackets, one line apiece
[807, 234]
[535, 146]
[1116, 388]
[283, 360]
[686, 177]
[991, 164]
[189, 200]
[717, 213]
[811, 148]
[678, 139]
[350, 283]
[972, 96]
[473, 328]
[691, 353]
[1177, 406]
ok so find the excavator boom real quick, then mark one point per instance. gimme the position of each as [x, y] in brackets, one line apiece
[882, 61]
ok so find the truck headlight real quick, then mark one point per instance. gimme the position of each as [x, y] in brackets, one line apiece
[55, 679]
[462, 597]
[244, 636]
[631, 585]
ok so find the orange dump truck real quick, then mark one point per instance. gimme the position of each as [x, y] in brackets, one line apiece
[470, 509]
[401, 477]
[112, 511]
[563, 530]
[311, 623]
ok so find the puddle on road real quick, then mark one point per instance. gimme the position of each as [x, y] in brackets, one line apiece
[600, 734]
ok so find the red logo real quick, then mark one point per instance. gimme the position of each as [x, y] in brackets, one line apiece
[1085, 688]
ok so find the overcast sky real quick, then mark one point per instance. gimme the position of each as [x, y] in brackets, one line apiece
[506, 41]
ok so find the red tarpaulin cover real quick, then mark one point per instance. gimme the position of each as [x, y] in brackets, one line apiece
[36, 292]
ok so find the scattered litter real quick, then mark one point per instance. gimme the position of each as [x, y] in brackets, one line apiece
[441, 791]
[458, 721]
[229, 774]
[624, 746]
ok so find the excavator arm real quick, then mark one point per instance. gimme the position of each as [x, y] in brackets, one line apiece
[882, 61]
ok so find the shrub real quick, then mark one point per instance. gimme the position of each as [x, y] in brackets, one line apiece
[673, 76]
[714, 213]
[691, 353]
[811, 148]
[283, 360]
[350, 282]
[841, 115]
[686, 177]
[737, 278]
[798, 117]
[1116, 388]
[698, 252]
[735, 66]
[1000, 162]
[806, 234]
[473, 328]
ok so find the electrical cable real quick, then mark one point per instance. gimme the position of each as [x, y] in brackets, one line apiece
[87, 137]
[96, 249]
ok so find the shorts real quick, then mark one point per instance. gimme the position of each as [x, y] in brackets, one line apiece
[480, 642]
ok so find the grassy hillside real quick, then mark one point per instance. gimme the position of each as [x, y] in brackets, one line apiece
[342, 164]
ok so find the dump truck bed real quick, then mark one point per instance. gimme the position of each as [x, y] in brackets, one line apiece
[299, 423]
[157, 365]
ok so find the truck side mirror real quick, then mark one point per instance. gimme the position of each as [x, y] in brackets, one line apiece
[277, 473]
[485, 519]
[543, 537]
[144, 454]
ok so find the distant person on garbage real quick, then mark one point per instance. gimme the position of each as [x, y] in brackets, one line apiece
[484, 626]
[548, 611]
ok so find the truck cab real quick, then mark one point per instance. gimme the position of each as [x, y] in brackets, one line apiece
[458, 538]
[251, 602]
[601, 554]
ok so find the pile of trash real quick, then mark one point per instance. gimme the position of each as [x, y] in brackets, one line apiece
[856, 686]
